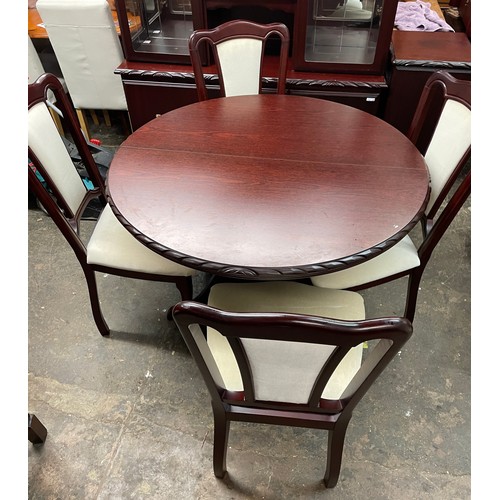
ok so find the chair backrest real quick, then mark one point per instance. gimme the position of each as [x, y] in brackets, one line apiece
[84, 38]
[238, 49]
[52, 176]
[287, 360]
[441, 129]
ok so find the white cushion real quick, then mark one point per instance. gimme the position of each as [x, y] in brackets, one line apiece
[270, 359]
[241, 74]
[401, 257]
[112, 245]
[450, 141]
[46, 143]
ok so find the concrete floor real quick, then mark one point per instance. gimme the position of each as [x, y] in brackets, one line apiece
[128, 417]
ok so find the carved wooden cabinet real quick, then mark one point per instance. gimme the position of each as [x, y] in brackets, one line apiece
[153, 89]
[339, 49]
[465, 11]
[415, 56]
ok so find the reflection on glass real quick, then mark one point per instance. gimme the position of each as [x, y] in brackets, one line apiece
[343, 31]
[160, 26]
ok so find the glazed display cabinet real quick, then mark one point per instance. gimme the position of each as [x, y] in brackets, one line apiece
[339, 49]
[347, 36]
[157, 30]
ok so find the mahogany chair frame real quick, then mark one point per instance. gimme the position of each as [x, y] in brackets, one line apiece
[67, 220]
[439, 88]
[193, 318]
[233, 30]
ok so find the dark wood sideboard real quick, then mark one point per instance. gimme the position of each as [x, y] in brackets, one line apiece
[152, 89]
[415, 55]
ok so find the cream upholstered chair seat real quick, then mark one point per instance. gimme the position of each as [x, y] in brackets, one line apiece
[112, 245]
[399, 258]
[110, 248]
[301, 360]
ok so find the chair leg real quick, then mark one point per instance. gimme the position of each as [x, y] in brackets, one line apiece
[101, 324]
[83, 123]
[185, 286]
[37, 433]
[336, 438]
[221, 435]
[412, 293]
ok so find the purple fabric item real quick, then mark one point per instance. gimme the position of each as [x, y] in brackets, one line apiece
[418, 16]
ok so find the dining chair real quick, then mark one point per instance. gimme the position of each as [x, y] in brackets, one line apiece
[86, 44]
[54, 180]
[441, 130]
[287, 353]
[238, 49]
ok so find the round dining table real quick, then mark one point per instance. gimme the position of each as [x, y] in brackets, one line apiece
[268, 187]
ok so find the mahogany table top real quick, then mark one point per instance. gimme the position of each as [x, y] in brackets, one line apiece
[268, 186]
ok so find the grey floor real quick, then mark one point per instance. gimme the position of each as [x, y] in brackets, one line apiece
[128, 417]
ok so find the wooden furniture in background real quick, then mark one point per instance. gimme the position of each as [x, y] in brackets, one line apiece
[157, 75]
[348, 36]
[415, 57]
[462, 16]
[154, 89]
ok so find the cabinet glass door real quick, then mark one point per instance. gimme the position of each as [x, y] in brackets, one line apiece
[156, 30]
[343, 35]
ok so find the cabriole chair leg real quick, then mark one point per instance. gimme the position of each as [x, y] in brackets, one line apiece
[102, 326]
[335, 450]
[221, 435]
